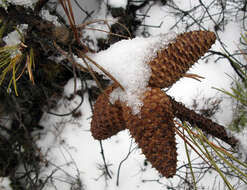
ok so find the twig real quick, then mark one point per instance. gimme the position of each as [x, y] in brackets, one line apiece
[84, 11]
[120, 164]
[103, 157]
[69, 113]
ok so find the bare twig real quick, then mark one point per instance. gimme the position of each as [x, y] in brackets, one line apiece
[103, 157]
[120, 164]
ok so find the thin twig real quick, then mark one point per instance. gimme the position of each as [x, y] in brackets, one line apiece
[103, 157]
[120, 164]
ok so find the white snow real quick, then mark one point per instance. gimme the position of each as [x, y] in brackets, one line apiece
[69, 88]
[159, 20]
[14, 38]
[45, 14]
[82, 10]
[25, 3]
[127, 61]
[98, 27]
[242, 148]
[117, 3]
[5, 183]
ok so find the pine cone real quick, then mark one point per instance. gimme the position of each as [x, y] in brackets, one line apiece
[107, 118]
[172, 62]
[153, 130]
[205, 124]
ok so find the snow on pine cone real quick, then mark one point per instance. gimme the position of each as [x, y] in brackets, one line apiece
[153, 130]
[172, 62]
[107, 118]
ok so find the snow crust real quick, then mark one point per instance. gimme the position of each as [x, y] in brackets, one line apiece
[127, 61]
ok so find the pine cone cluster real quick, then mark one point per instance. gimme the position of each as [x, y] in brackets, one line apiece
[153, 129]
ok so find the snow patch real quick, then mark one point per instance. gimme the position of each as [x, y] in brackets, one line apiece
[14, 38]
[242, 137]
[117, 4]
[99, 27]
[45, 14]
[160, 18]
[127, 61]
[5, 183]
[25, 3]
[72, 86]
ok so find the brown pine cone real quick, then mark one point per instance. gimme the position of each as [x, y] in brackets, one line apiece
[205, 124]
[172, 62]
[153, 130]
[107, 118]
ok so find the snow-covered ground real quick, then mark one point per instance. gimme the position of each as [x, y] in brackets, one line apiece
[75, 159]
